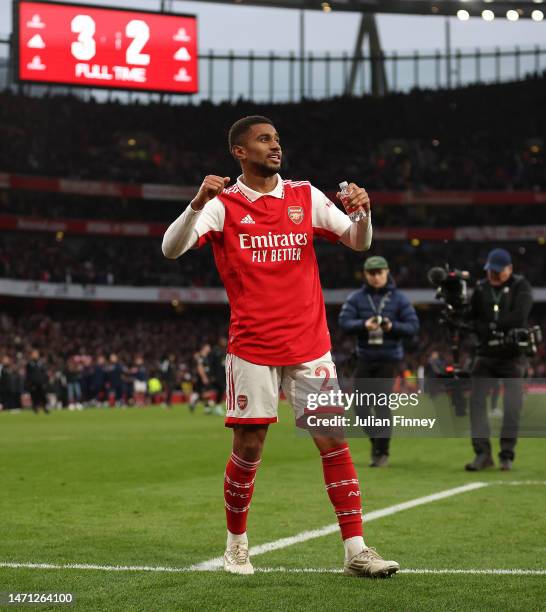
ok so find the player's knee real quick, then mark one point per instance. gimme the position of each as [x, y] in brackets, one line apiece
[250, 450]
[248, 445]
[326, 443]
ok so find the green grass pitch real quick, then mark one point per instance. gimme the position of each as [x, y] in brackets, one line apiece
[144, 487]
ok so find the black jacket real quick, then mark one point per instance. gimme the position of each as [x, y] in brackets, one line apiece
[514, 299]
[36, 375]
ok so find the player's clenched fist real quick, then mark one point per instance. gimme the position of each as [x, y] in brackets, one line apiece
[355, 196]
[210, 187]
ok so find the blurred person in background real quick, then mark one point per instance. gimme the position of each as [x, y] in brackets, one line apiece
[168, 378]
[202, 379]
[73, 383]
[87, 379]
[114, 379]
[128, 378]
[140, 385]
[8, 385]
[56, 390]
[218, 373]
[155, 388]
[100, 393]
[36, 382]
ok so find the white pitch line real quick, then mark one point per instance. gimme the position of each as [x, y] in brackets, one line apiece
[499, 572]
[519, 482]
[93, 566]
[261, 570]
[217, 562]
[302, 537]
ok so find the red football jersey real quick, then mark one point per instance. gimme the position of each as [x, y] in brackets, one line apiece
[263, 248]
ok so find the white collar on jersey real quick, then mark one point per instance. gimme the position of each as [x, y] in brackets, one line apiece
[252, 195]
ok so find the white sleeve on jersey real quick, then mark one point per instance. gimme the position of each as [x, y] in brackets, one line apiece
[186, 231]
[359, 236]
[334, 222]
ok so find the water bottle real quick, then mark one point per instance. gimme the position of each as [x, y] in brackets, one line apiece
[356, 213]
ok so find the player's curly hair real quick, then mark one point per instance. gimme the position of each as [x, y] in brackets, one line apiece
[241, 126]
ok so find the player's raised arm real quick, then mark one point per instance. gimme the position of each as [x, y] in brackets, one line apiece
[196, 221]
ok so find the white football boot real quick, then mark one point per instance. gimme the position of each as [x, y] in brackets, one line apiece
[237, 559]
[368, 563]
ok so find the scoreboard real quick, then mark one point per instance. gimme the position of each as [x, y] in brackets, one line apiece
[77, 44]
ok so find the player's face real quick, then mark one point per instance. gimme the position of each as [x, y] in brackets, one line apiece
[377, 278]
[498, 278]
[260, 150]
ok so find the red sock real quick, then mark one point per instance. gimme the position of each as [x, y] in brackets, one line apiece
[238, 489]
[343, 489]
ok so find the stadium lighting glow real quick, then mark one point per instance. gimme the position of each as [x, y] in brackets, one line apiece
[538, 1]
[326, 7]
[512, 15]
[537, 15]
[488, 15]
[463, 15]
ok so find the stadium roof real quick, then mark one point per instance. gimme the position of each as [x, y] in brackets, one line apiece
[402, 7]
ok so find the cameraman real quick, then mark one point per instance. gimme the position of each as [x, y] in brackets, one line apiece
[381, 316]
[499, 310]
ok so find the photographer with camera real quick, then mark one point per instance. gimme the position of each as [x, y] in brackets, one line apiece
[381, 316]
[499, 310]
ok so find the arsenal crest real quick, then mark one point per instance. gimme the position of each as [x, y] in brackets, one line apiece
[295, 214]
[242, 401]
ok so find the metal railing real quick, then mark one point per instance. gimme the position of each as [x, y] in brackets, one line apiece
[289, 77]
[274, 77]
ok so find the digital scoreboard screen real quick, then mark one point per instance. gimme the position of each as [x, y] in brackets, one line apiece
[77, 44]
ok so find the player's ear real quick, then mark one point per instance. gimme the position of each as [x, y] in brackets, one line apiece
[238, 152]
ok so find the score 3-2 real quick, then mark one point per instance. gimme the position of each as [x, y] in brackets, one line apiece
[84, 49]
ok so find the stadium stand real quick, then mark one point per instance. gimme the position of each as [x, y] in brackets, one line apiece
[450, 177]
[478, 137]
[139, 262]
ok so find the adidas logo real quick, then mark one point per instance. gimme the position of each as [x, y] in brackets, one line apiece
[247, 219]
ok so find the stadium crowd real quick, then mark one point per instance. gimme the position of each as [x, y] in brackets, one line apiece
[65, 206]
[90, 359]
[139, 262]
[477, 137]
[124, 356]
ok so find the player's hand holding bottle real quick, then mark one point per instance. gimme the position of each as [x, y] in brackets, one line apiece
[355, 201]
[210, 187]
